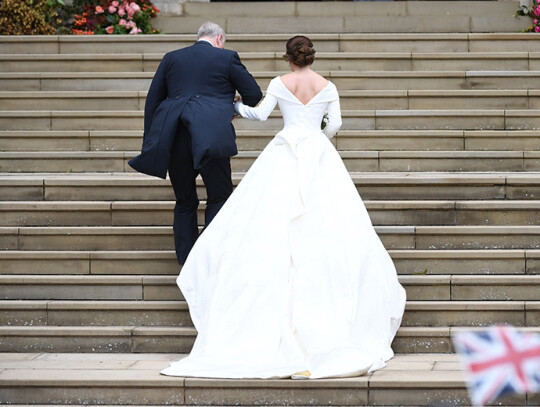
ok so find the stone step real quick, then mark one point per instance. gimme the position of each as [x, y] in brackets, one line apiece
[134, 380]
[370, 185]
[405, 17]
[408, 379]
[340, 8]
[160, 213]
[176, 313]
[74, 238]
[355, 161]
[163, 288]
[273, 61]
[349, 100]
[253, 42]
[163, 262]
[134, 238]
[344, 80]
[351, 24]
[256, 140]
[486, 119]
[139, 339]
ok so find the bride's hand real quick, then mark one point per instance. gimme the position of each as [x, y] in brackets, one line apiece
[237, 99]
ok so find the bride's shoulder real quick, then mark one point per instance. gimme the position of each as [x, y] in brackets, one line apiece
[274, 85]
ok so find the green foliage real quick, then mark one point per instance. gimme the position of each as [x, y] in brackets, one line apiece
[49, 17]
[26, 17]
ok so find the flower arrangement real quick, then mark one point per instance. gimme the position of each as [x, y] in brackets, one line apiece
[324, 121]
[115, 17]
[534, 12]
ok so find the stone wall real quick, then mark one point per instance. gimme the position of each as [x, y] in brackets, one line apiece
[174, 7]
[344, 16]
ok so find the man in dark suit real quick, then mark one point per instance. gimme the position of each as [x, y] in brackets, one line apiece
[188, 127]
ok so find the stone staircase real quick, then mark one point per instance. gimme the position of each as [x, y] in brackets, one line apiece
[441, 136]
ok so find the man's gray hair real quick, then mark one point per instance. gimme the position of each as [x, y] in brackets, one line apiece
[210, 30]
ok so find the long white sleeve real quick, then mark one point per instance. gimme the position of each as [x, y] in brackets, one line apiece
[261, 112]
[334, 119]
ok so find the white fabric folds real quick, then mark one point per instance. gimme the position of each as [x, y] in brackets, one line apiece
[290, 275]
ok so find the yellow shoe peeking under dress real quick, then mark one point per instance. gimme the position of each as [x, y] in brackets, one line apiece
[301, 375]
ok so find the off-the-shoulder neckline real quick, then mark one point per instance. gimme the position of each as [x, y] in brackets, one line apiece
[294, 96]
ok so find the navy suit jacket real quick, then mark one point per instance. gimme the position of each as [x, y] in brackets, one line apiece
[193, 91]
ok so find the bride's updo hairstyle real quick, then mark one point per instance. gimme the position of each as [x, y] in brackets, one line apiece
[300, 51]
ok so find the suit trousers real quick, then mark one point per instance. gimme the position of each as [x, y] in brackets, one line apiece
[216, 175]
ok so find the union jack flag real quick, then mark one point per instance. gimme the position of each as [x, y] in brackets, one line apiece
[499, 360]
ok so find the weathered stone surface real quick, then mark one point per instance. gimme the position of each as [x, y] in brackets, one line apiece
[23, 313]
[96, 238]
[161, 288]
[9, 238]
[532, 309]
[277, 392]
[477, 237]
[71, 287]
[469, 61]
[497, 213]
[502, 140]
[128, 313]
[426, 288]
[436, 386]
[29, 262]
[464, 313]
[108, 386]
[130, 262]
[407, 24]
[423, 340]
[495, 288]
[466, 262]
[244, 25]
[163, 339]
[65, 339]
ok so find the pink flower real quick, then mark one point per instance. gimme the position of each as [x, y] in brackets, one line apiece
[114, 3]
[109, 29]
[535, 21]
[135, 30]
[130, 11]
[536, 29]
[130, 24]
[112, 9]
[99, 10]
[135, 7]
[122, 22]
[537, 11]
[121, 12]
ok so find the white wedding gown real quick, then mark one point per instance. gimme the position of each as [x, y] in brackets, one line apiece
[290, 275]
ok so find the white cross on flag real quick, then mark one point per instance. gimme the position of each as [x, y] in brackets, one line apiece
[499, 360]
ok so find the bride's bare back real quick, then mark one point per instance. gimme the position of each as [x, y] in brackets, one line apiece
[304, 84]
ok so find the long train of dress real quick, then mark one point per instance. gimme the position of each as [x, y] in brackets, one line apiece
[291, 275]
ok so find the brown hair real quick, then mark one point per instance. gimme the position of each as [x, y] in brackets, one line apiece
[300, 51]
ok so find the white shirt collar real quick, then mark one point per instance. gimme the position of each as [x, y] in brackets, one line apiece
[206, 41]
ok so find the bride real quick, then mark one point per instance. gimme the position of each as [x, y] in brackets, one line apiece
[290, 279]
